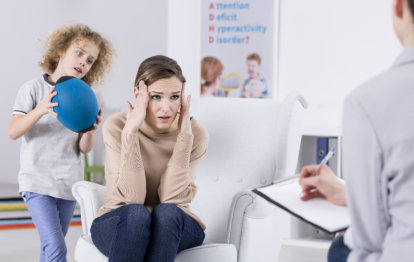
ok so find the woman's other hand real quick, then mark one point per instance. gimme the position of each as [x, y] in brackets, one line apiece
[136, 115]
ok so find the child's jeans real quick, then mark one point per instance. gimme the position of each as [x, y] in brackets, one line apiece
[51, 217]
[131, 233]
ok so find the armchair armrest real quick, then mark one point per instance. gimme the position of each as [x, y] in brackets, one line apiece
[256, 227]
[208, 253]
[90, 197]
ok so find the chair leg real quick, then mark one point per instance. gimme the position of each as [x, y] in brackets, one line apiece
[86, 173]
[91, 169]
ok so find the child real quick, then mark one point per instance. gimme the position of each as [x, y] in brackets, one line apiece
[254, 86]
[50, 160]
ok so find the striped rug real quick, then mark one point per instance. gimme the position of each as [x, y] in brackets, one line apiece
[14, 214]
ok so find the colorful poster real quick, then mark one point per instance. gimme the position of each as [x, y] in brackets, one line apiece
[237, 45]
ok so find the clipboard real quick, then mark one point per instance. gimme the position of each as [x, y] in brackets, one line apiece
[318, 212]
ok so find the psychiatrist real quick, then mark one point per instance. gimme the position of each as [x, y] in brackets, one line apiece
[378, 159]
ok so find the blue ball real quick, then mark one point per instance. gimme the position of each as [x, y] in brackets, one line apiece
[78, 107]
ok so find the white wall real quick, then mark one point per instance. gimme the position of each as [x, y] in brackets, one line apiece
[137, 29]
[184, 40]
[327, 48]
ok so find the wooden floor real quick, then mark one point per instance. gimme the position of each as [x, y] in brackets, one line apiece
[23, 245]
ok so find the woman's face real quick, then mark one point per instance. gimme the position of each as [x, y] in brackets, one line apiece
[164, 103]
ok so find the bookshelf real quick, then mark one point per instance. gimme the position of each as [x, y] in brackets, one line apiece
[305, 242]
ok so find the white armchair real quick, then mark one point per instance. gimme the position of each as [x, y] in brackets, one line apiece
[252, 142]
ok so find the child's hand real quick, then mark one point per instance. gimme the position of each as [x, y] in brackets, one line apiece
[47, 106]
[136, 115]
[184, 122]
[95, 126]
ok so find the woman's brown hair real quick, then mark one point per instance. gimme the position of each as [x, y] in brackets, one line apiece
[158, 67]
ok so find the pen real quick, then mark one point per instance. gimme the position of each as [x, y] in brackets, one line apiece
[324, 161]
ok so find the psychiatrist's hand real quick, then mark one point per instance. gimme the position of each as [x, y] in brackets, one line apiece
[324, 184]
[136, 115]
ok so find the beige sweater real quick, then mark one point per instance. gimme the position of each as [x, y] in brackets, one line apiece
[149, 168]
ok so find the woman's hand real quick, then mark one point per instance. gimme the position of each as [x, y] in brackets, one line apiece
[136, 115]
[184, 122]
[47, 106]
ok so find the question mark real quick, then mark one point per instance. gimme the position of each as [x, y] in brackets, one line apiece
[247, 39]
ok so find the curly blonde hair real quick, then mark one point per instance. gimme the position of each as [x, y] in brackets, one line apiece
[60, 40]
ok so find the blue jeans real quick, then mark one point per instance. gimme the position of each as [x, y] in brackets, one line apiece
[338, 251]
[132, 233]
[51, 217]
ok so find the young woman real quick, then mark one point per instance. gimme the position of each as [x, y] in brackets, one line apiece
[152, 152]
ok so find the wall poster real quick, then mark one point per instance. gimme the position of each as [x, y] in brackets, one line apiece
[237, 45]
